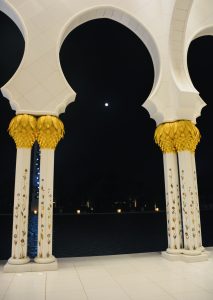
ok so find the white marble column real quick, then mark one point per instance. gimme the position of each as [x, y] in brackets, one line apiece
[164, 137]
[173, 208]
[190, 205]
[21, 207]
[50, 131]
[45, 211]
[22, 129]
[180, 138]
[197, 206]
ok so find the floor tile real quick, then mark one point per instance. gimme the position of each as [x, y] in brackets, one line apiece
[5, 281]
[147, 291]
[106, 294]
[17, 295]
[96, 282]
[68, 282]
[202, 295]
[63, 295]
[178, 286]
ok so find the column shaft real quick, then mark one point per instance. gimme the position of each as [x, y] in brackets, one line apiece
[196, 199]
[173, 209]
[21, 207]
[190, 208]
[45, 212]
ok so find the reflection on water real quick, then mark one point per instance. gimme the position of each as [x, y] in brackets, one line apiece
[32, 235]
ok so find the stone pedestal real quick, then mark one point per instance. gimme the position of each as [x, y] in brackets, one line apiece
[31, 267]
[186, 258]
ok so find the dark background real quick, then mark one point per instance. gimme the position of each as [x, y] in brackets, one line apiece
[108, 156]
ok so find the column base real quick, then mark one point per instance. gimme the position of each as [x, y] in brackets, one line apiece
[44, 260]
[31, 267]
[171, 256]
[18, 261]
[195, 258]
[192, 252]
[203, 256]
[202, 249]
[174, 251]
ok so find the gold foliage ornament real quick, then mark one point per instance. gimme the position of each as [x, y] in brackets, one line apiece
[177, 136]
[164, 136]
[187, 136]
[50, 130]
[22, 129]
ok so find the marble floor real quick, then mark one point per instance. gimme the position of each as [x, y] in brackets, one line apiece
[145, 276]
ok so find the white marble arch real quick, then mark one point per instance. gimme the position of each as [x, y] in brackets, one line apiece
[124, 18]
[191, 19]
[39, 86]
[45, 105]
[182, 99]
[200, 23]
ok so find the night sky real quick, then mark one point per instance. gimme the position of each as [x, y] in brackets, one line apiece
[108, 153]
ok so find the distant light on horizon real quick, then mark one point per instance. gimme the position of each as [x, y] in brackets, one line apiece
[106, 104]
[156, 208]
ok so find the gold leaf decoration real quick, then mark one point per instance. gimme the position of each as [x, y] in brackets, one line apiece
[50, 131]
[164, 136]
[187, 136]
[22, 129]
[177, 136]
